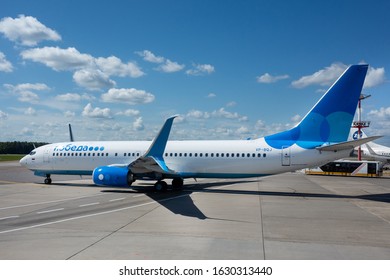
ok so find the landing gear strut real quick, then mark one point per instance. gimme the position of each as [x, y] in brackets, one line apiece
[48, 179]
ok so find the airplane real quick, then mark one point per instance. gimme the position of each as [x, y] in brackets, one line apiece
[320, 137]
[371, 150]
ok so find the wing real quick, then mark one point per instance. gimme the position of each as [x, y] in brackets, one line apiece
[153, 160]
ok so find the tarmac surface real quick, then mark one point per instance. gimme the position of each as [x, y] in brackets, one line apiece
[287, 216]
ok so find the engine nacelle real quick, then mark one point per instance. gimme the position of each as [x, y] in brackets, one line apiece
[111, 176]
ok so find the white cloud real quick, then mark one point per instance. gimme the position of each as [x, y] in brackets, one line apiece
[93, 79]
[231, 104]
[3, 116]
[196, 114]
[74, 97]
[5, 65]
[297, 118]
[27, 131]
[222, 113]
[170, 67]
[165, 65]
[131, 96]
[27, 30]
[97, 112]
[129, 113]
[211, 95]
[91, 73]
[59, 59]
[30, 111]
[69, 114]
[26, 92]
[268, 79]
[322, 77]
[382, 113]
[201, 69]
[114, 66]
[242, 130]
[374, 77]
[329, 75]
[150, 57]
[138, 124]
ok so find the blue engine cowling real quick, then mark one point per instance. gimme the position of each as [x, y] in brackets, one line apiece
[110, 176]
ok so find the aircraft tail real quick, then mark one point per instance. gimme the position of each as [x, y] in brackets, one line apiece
[330, 119]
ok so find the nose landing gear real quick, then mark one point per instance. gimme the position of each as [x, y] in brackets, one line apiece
[47, 180]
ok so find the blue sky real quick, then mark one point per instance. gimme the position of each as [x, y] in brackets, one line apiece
[231, 69]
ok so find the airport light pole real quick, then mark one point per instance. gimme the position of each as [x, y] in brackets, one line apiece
[360, 124]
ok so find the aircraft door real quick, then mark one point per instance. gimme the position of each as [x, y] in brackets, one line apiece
[286, 156]
[46, 157]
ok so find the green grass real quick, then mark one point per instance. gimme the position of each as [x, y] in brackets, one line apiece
[8, 157]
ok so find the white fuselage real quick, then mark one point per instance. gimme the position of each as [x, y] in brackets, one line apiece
[190, 159]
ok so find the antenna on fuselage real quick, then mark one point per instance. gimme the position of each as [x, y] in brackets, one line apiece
[71, 133]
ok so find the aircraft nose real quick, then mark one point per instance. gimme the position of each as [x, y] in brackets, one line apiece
[23, 161]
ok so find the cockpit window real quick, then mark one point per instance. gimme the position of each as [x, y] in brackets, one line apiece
[33, 153]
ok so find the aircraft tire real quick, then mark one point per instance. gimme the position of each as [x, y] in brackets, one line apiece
[161, 186]
[177, 183]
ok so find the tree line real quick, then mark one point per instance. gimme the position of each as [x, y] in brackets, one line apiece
[17, 147]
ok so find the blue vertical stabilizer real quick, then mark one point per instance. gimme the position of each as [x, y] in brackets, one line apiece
[329, 121]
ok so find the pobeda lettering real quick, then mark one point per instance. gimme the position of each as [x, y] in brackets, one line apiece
[79, 148]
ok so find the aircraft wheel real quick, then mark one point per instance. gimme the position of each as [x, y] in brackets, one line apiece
[177, 183]
[161, 186]
[48, 181]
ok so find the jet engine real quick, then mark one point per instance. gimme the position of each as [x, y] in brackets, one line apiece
[112, 176]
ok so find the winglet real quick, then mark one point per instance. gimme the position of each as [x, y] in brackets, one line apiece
[70, 133]
[157, 148]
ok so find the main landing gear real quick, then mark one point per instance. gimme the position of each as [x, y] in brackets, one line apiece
[162, 186]
[48, 179]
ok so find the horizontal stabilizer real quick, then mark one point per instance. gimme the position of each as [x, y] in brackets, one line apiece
[348, 145]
